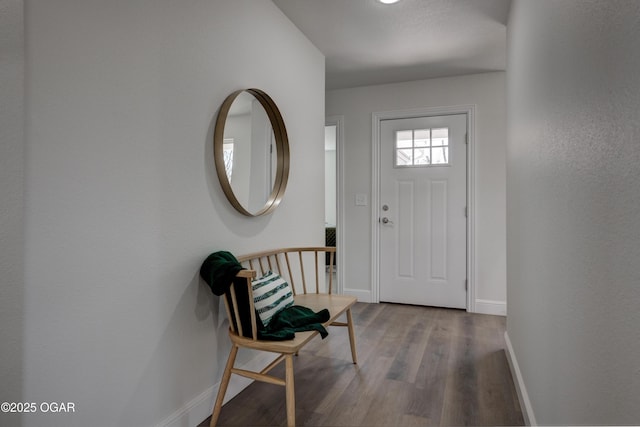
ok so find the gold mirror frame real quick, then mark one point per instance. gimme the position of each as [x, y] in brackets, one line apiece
[282, 152]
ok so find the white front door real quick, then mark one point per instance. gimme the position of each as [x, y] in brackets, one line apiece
[423, 226]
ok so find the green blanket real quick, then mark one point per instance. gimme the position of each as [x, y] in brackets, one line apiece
[290, 320]
[219, 270]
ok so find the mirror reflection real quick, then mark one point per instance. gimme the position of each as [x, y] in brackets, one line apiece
[251, 152]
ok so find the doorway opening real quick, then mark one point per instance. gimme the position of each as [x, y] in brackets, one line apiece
[333, 194]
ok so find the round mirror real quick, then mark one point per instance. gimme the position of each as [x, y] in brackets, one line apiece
[251, 152]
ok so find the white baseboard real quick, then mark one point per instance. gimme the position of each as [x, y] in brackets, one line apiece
[484, 306]
[199, 408]
[362, 295]
[523, 396]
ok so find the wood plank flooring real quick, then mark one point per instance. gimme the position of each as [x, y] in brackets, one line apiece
[418, 366]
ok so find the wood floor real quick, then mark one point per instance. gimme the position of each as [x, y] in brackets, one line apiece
[417, 366]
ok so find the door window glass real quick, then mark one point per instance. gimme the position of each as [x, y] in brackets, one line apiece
[421, 147]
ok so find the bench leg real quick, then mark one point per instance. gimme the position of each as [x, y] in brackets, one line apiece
[290, 391]
[224, 383]
[352, 336]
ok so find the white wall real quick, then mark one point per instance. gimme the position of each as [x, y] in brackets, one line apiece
[11, 203]
[574, 208]
[122, 202]
[487, 92]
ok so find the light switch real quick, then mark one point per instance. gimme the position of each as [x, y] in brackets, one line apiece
[361, 199]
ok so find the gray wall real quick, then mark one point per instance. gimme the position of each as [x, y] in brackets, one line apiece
[573, 208]
[11, 203]
[121, 200]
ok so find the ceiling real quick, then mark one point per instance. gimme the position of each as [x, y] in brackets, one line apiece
[366, 42]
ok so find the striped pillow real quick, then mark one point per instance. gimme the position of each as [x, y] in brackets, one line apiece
[271, 293]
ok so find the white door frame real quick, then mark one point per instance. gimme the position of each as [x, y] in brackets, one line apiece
[469, 110]
[338, 122]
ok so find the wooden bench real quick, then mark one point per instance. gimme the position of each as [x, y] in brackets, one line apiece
[302, 268]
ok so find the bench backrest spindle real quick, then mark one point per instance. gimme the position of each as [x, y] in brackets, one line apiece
[288, 264]
[236, 311]
[304, 279]
[317, 272]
